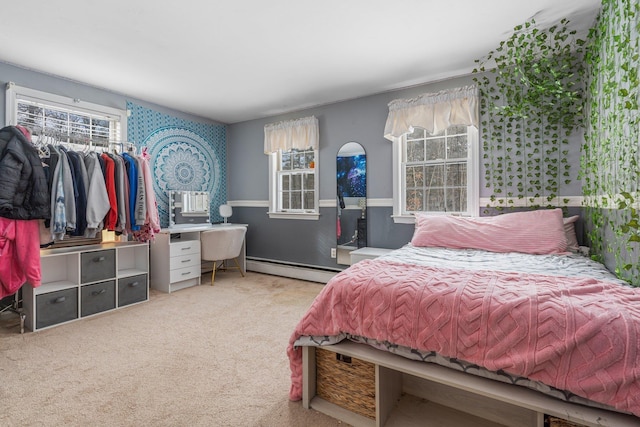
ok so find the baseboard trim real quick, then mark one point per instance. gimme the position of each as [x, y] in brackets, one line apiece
[288, 270]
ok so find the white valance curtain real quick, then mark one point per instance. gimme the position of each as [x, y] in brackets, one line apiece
[434, 112]
[286, 135]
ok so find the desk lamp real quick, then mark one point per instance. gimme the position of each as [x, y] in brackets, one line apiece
[225, 212]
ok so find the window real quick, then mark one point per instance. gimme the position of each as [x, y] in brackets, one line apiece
[77, 124]
[295, 192]
[292, 147]
[296, 181]
[435, 153]
[436, 173]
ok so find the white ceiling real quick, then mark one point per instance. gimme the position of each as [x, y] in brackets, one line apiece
[236, 60]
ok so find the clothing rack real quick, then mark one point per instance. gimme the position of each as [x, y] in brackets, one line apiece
[41, 141]
[48, 145]
[15, 307]
[118, 176]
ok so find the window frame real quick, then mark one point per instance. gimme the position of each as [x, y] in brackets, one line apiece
[399, 179]
[15, 93]
[275, 172]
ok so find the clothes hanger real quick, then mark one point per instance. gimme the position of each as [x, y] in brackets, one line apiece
[43, 150]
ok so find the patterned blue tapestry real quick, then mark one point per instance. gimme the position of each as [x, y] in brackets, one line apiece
[185, 155]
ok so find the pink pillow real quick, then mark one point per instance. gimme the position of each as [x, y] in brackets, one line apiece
[533, 232]
[570, 232]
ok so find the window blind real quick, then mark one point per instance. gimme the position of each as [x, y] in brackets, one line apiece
[55, 118]
[66, 125]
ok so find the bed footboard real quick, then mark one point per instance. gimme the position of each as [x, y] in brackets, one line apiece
[408, 393]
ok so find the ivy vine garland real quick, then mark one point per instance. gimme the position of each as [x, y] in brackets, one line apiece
[530, 103]
[610, 162]
[532, 99]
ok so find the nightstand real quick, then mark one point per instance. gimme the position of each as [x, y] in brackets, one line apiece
[367, 253]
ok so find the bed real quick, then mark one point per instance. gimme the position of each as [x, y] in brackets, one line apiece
[500, 297]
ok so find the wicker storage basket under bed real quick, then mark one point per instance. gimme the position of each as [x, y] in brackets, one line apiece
[350, 383]
[347, 382]
[550, 421]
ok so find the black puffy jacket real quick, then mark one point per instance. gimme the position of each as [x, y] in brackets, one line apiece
[24, 191]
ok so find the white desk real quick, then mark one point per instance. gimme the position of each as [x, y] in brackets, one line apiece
[175, 257]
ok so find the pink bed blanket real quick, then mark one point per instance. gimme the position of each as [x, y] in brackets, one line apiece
[576, 334]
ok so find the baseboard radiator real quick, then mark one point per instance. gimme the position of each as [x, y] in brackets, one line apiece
[293, 270]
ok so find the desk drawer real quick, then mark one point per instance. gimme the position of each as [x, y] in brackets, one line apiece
[184, 261]
[181, 274]
[184, 248]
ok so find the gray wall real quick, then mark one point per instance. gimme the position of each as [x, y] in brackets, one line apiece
[310, 242]
[292, 241]
[144, 120]
[361, 120]
[58, 86]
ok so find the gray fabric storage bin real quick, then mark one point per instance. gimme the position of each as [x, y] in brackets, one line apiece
[132, 289]
[97, 297]
[97, 265]
[56, 307]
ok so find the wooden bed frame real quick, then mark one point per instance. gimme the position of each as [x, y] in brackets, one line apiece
[413, 393]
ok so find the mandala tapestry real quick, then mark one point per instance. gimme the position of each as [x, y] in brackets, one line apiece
[185, 155]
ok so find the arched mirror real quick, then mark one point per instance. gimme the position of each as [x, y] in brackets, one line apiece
[351, 178]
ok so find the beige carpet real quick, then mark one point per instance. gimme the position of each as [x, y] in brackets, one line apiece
[202, 356]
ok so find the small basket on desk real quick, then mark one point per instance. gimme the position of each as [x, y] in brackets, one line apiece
[346, 381]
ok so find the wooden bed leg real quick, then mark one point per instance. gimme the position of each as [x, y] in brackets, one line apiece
[308, 375]
[388, 391]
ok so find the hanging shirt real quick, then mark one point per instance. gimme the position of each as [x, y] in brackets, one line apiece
[19, 255]
[79, 174]
[69, 192]
[152, 223]
[132, 173]
[97, 198]
[109, 178]
[121, 194]
[141, 201]
[52, 161]
[58, 224]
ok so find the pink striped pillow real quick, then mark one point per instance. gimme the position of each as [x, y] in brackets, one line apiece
[533, 232]
[570, 232]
